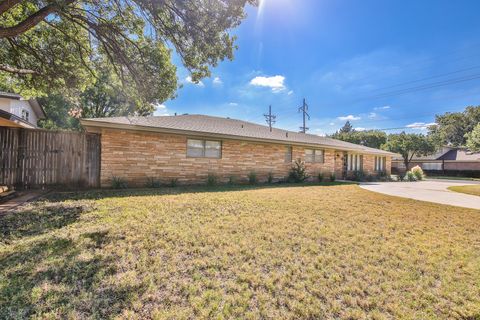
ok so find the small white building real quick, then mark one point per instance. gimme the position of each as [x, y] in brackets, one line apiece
[18, 112]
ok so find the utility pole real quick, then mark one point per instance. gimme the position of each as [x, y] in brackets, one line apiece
[304, 110]
[270, 118]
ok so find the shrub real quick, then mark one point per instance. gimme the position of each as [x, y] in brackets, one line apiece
[320, 177]
[270, 177]
[358, 176]
[153, 183]
[119, 183]
[252, 177]
[232, 179]
[418, 172]
[211, 180]
[333, 177]
[298, 172]
[401, 177]
[411, 176]
[173, 183]
[370, 178]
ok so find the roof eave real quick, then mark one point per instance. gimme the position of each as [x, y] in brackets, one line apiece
[104, 124]
[37, 108]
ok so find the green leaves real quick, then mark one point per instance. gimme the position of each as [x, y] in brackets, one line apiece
[473, 139]
[452, 128]
[409, 145]
[57, 54]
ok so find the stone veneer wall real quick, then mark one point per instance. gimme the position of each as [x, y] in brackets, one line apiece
[137, 156]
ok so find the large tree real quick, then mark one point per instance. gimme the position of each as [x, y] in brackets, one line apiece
[409, 145]
[451, 128]
[473, 139]
[49, 46]
[369, 138]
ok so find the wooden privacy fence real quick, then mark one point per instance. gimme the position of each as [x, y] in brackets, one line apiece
[37, 158]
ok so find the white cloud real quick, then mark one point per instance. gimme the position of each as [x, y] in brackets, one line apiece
[217, 81]
[276, 83]
[372, 115]
[382, 108]
[360, 129]
[189, 80]
[332, 123]
[233, 104]
[420, 125]
[350, 117]
[161, 110]
[290, 92]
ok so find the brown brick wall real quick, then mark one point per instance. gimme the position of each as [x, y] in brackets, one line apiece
[136, 156]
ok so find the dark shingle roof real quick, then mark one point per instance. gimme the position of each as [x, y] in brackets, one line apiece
[226, 127]
[460, 155]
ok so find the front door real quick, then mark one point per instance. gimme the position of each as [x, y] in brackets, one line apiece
[340, 164]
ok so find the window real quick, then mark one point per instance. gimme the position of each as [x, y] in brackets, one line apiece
[380, 163]
[354, 162]
[288, 154]
[204, 149]
[312, 155]
[25, 115]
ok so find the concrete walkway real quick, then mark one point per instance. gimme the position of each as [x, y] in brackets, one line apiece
[24, 197]
[429, 190]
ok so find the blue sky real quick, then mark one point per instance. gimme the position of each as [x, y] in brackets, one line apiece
[381, 64]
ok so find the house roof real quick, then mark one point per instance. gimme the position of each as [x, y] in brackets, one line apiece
[37, 108]
[460, 155]
[447, 153]
[202, 125]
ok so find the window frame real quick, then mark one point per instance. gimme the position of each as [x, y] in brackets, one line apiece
[288, 154]
[314, 155]
[380, 163]
[204, 148]
[354, 162]
[25, 115]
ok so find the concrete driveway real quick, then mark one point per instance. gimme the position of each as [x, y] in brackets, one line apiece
[429, 190]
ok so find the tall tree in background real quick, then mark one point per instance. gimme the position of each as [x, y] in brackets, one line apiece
[409, 145]
[473, 139]
[49, 47]
[451, 128]
[347, 127]
[369, 138]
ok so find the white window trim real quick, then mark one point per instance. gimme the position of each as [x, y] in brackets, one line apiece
[354, 162]
[314, 155]
[204, 143]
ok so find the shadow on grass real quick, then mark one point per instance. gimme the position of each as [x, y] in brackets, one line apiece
[140, 192]
[45, 278]
[38, 220]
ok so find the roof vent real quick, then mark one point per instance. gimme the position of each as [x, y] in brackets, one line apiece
[242, 125]
[286, 134]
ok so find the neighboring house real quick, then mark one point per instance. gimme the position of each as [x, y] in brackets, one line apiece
[190, 147]
[449, 160]
[18, 112]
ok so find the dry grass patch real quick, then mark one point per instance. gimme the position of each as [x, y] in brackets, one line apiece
[279, 253]
[470, 189]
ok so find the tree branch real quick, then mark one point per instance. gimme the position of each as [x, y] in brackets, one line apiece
[31, 21]
[9, 69]
[5, 5]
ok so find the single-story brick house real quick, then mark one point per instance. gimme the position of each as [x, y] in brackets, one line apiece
[190, 147]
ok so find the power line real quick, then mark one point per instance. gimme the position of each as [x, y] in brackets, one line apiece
[270, 118]
[424, 87]
[304, 110]
[427, 78]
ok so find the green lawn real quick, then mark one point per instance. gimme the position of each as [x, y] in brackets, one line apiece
[285, 252]
[470, 189]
